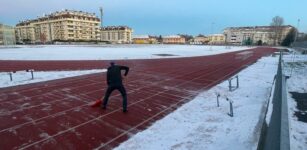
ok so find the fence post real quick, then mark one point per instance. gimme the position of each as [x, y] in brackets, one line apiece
[32, 73]
[217, 99]
[230, 107]
[230, 86]
[11, 76]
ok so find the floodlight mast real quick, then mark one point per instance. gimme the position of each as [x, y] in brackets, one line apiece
[101, 15]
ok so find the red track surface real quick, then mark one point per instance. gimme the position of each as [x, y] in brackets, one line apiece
[56, 114]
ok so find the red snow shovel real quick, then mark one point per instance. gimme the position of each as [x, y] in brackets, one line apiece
[97, 103]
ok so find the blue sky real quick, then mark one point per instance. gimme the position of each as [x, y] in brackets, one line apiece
[167, 16]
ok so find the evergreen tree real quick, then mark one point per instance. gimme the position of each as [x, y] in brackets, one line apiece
[289, 39]
[259, 42]
[160, 39]
[248, 41]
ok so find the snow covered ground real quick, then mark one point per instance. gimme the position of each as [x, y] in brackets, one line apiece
[296, 83]
[93, 52]
[200, 124]
[23, 77]
[108, 52]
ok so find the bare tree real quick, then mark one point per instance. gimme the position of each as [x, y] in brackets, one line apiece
[277, 23]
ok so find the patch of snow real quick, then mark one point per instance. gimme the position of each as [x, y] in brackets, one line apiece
[21, 78]
[200, 124]
[109, 52]
[77, 109]
[44, 135]
[47, 108]
[24, 105]
[296, 66]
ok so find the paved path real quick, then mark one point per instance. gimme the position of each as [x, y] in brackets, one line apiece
[56, 114]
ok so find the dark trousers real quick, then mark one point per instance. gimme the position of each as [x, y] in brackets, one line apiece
[121, 89]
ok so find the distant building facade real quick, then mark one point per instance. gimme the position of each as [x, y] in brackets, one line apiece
[216, 39]
[144, 39]
[116, 34]
[199, 40]
[140, 39]
[67, 25]
[266, 35]
[301, 36]
[173, 39]
[7, 35]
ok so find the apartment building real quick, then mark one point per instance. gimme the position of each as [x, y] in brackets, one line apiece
[216, 39]
[116, 34]
[267, 35]
[7, 35]
[173, 39]
[66, 25]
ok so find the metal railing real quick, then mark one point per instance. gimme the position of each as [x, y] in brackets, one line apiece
[275, 135]
[300, 46]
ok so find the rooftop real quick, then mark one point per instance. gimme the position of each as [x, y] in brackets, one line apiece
[172, 36]
[116, 28]
[216, 35]
[255, 27]
[57, 14]
[141, 36]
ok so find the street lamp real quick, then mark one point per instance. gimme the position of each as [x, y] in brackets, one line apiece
[101, 15]
[211, 42]
[297, 32]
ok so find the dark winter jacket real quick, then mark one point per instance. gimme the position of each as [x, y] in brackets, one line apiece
[114, 77]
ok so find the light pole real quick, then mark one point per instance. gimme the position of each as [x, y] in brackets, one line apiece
[101, 25]
[101, 15]
[211, 41]
[297, 32]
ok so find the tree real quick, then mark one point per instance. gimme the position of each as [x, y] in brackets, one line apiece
[259, 43]
[289, 39]
[160, 39]
[248, 41]
[277, 23]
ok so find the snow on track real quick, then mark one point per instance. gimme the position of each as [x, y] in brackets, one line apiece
[56, 115]
[296, 68]
[200, 124]
[23, 77]
[109, 52]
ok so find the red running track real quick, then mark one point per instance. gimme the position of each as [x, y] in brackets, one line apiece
[56, 114]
